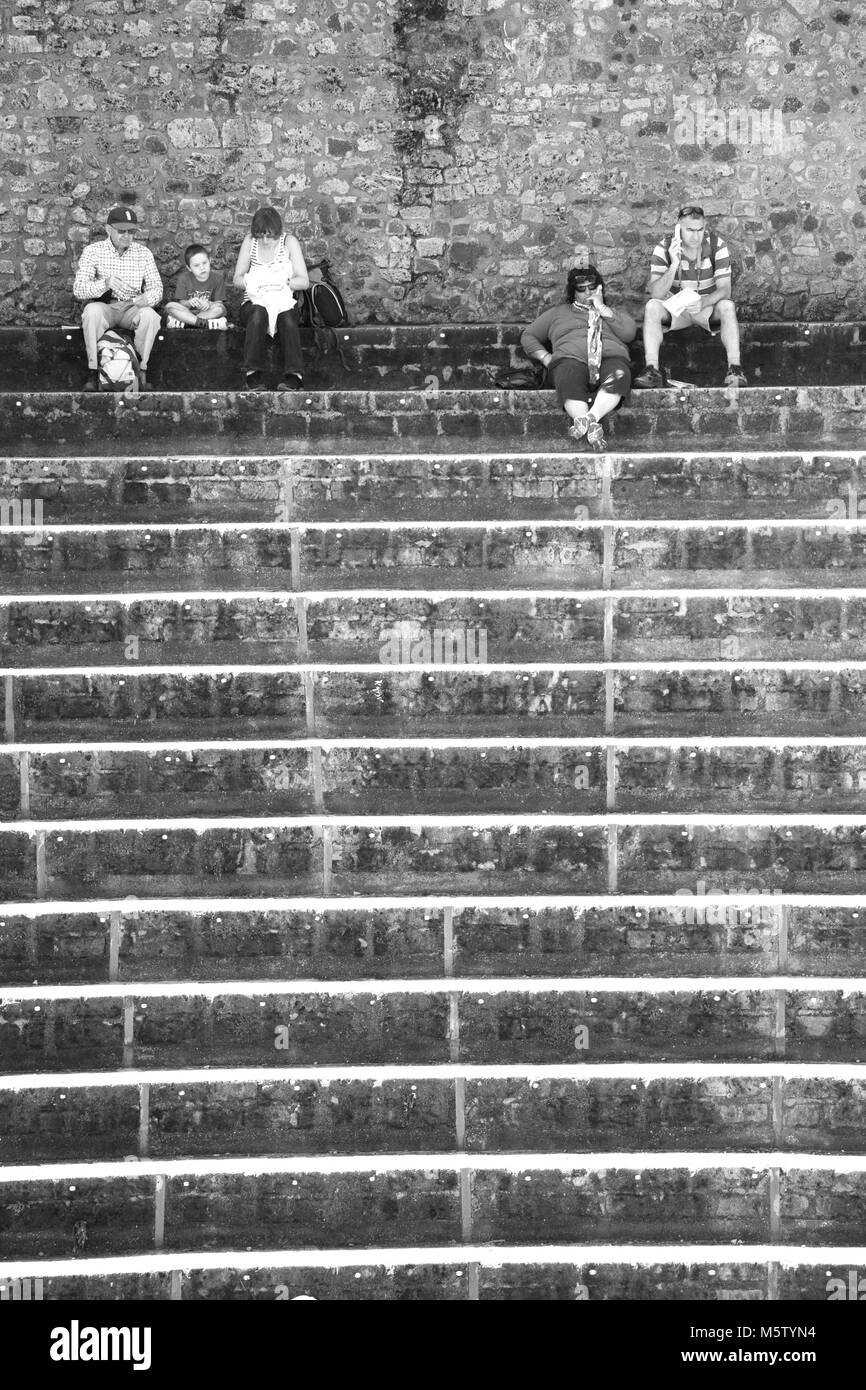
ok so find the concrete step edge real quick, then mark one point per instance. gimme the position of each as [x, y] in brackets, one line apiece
[143, 459]
[324, 669]
[487, 1256]
[638, 1073]
[529, 903]
[453, 820]
[170, 528]
[437, 985]
[515, 743]
[509, 1162]
[671, 595]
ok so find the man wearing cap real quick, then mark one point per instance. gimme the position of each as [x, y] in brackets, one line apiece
[691, 267]
[122, 286]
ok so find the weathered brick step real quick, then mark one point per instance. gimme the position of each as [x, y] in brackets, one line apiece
[490, 853]
[502, 1273]
[86, 1210]
[344, 556]
[605, 1273]
[252, 1112]
[391, 777]
[427, 356]
[347, 555]
[450, 626]
[305, 1116]
[261, 1023]
[235, 939]
[676, 699]
[536, 486]
[329, 420]
[382, 939]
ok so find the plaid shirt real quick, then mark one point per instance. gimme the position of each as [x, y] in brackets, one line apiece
[136, 268]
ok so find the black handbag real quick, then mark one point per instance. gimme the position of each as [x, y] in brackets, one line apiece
[521, 379]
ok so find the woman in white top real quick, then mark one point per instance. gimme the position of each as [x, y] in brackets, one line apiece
[270, 265]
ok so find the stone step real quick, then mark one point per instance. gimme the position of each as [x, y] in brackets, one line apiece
[82, 1211]
[449, 626]
[590, 555]
[502, 1273]
[252, 1112]
[206, 421]
[413, 854]
[662, 699]
[389, 777]
[399, 938]
[396, 1023]
[428, 487]
[428, 355]
[538, 937]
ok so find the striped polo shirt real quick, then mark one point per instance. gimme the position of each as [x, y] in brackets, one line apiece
[699, 275]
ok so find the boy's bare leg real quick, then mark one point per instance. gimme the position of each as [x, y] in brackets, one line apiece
[182, 314]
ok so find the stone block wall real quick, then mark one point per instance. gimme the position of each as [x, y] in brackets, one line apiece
[452, 157]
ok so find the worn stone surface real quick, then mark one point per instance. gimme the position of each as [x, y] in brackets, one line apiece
[447, 421]
[400, 1028]
[453, 158]
[357, 943]
[223, 486]
[432, 357]
[217, 557]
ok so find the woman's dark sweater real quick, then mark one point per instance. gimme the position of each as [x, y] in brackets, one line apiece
[565, 330]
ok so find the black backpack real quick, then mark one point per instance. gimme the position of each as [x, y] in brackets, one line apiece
[323, 309]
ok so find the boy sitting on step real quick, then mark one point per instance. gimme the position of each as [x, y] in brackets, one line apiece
[199, 295]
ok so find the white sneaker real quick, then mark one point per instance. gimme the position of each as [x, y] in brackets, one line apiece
[595, 436]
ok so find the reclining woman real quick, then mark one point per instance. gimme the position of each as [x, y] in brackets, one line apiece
[583, 345]
[270, 265]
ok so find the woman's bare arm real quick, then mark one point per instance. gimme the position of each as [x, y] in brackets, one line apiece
[300, 280]
[242, 264]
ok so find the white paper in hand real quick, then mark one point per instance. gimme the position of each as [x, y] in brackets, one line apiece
[267, 285]
[683, 302]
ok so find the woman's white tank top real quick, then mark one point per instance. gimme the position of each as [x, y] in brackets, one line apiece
[281, 256]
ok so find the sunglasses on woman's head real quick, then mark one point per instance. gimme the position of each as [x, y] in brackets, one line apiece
[690, 211]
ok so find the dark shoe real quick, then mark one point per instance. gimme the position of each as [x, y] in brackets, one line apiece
[255, 382]
[650, 379]
[291, 382]
[200, 323]
[736, 376]
[91, 381]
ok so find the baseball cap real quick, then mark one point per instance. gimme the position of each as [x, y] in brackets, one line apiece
[119, 215]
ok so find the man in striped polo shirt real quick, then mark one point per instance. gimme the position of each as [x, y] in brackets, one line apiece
[119, 279]
[695, 260]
